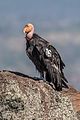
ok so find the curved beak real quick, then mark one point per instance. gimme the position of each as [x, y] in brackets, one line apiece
[25, 34]
[23, 30]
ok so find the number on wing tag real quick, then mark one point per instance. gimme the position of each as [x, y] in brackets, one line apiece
[48, 52]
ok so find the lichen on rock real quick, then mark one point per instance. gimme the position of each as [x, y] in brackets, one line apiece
[24, 98]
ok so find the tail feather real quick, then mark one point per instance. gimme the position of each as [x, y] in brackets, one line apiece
[64, 78]
[58, 80]
[64, 84]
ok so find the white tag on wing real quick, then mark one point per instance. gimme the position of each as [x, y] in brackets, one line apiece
[48, 52]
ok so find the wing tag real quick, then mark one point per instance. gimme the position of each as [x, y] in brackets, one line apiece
[48, 52]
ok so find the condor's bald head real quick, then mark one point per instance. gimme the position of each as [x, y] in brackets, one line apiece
[29, 30]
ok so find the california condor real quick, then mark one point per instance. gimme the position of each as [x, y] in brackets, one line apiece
[45, 57]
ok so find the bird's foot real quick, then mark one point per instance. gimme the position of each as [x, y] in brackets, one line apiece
[58, 88]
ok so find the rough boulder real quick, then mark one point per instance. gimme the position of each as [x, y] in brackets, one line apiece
[26, 98]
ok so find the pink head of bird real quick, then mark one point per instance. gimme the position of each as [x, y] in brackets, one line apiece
[29, 30]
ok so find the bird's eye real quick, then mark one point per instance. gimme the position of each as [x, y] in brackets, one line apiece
[27, 25]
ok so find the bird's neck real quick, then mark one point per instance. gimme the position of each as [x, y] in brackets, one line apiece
[30, 34]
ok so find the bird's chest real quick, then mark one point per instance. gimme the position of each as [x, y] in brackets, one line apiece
[33, 53]
[30, 50]
[35, 57]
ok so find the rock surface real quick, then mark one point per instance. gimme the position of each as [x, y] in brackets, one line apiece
[26, 98]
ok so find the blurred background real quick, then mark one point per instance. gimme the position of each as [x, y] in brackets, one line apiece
[58, 21]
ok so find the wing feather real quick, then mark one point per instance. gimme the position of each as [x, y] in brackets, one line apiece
[54, 66]
[46, 58]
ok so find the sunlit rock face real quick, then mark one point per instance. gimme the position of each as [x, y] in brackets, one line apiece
[26, 98]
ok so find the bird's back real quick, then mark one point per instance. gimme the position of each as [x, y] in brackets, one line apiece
[46, 58]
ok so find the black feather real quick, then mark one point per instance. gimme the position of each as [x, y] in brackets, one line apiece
[46, 59]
